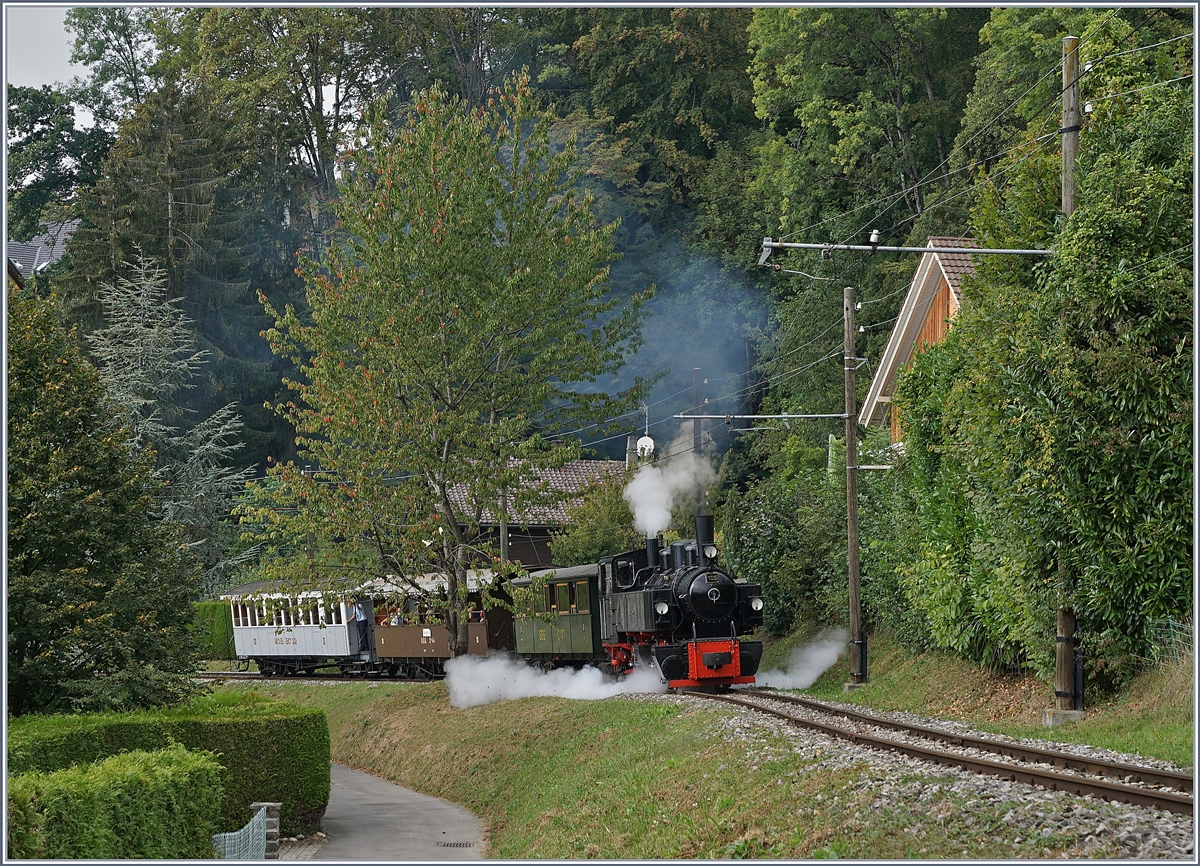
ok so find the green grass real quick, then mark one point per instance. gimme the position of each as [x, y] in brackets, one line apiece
[629, 779]
[1152, 716]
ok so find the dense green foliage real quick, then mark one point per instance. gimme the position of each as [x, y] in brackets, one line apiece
[1050, 435]
[599, 524]
[214, 625]
[99, 590]
[160, 805]
[1050, 430]
[48, 159]
[269, 750]
[147, 357]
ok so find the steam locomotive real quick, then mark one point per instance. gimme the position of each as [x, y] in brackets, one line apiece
[674, 607]
[671, 607]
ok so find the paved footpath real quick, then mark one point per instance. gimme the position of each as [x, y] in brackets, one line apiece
[370, 818]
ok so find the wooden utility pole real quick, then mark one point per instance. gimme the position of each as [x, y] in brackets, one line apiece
[697, 431]
[1070, 121]
[504, 524]
[858, 638]
[1068, 694]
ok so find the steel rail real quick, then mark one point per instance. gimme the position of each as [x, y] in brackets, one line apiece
[1096, 766]
[1171, 801]
[253, 676]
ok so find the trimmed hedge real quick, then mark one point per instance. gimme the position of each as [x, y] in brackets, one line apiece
[269, 750]
[214, 630]
[159, 805]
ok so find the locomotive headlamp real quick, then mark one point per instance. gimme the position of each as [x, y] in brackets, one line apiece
[710, 552]
[660, 608]
[756, 604]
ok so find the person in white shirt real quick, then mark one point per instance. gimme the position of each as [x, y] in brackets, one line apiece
[360, 616]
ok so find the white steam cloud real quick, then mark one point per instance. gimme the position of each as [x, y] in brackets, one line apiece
[474, 681]
[654, 488]
[807, 663]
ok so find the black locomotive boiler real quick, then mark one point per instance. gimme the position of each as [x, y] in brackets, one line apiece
[674, 605]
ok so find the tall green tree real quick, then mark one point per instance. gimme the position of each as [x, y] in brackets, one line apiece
[292, 82]
[649, 95]
[464, 314]
[118, 46]
[99, 589]
[869, 101]
[49, 159]
[864, 105]
[180, 188]
[147, 355]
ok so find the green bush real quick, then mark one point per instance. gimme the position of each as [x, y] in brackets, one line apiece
[214, 630]
[270, 750]
[162, 804]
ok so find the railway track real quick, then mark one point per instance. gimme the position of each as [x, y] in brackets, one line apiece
[1107, 780]
[254, 676]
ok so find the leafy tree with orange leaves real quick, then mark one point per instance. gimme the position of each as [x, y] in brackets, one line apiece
[460, 320]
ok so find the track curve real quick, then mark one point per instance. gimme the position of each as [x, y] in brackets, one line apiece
[1033, 766]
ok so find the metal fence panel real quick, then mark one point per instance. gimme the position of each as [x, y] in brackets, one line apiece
[248, 843]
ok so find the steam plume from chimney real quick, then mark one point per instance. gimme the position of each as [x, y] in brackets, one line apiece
[654, 489]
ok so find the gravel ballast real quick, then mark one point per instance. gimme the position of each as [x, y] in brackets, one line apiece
[936, 797]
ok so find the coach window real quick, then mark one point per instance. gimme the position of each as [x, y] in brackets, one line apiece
[564, 598]
[572, 596]
[581, 596]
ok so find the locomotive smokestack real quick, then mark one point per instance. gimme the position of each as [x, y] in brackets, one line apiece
[704, 537]
[652, 547]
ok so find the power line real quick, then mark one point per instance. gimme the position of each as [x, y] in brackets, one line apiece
[1139, 89]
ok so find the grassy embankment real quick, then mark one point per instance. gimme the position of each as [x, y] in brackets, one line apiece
[554, 778]
[1152, 716]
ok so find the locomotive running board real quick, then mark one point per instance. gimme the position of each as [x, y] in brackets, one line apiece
[714, 681]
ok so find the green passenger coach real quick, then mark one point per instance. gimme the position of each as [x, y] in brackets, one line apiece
[561, 623]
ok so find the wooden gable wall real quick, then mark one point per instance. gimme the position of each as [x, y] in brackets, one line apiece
[942, 308]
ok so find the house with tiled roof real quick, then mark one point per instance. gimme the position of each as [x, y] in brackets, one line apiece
[43, 250]
[529, 533]
[15, 278]
[932, 302]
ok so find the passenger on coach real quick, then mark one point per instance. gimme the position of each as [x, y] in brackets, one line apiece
[360, 616]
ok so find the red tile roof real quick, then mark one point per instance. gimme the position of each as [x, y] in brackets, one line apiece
[955, 265]
[572, 478]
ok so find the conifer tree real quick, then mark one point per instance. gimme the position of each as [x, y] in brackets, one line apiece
[147, 354]
[99, 588]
